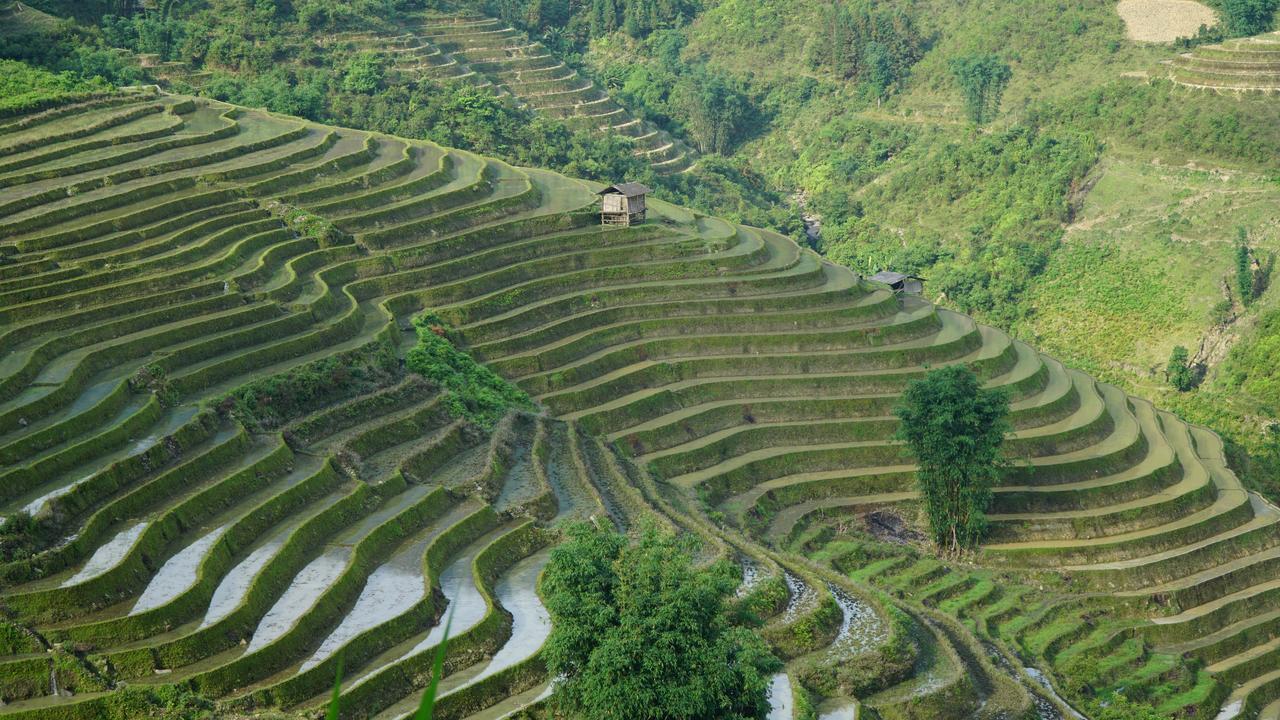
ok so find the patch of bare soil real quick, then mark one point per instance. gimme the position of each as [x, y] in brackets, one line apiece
[887, 526]
[1164, 21]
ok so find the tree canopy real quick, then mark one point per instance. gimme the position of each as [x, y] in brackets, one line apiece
[717, 110]
[1247, 17]
[1179, 371]
[24, 88]
[955, 430]
[982, 79]
[578, 21]
[867, 43]
[639, 632]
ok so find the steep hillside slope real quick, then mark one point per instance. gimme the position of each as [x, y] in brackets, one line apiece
[468, 47]
[17, 19]
[1100, 170]
[472, 43]
[232, 481]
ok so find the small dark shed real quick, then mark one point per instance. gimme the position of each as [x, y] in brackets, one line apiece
[623, 204]
[899, 282]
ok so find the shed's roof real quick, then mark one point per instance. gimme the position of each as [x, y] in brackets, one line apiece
[888, 277]
[629, 189]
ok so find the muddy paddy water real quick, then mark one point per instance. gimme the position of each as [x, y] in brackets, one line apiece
[781, 699]
[109, 554]
[860, 629]
[178, 574]
[391, 590]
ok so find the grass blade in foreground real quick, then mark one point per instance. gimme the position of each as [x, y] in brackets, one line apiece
[437, 669]
[428, 699]
[337, 694]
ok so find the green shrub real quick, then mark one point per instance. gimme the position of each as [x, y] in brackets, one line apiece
[25, 89]
[1118, 707]
[309, 225]
[15, 640]
[272, 401]
[152, 378]
[476, 393]
[639, 631]
[21, 536]
[364, 73]
[1181, 375]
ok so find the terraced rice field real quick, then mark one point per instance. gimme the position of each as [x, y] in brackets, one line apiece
[1245, 64]
[489, 53]
[161, 272]
[17, 18]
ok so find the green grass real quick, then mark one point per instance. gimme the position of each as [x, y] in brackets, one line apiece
[24, 88]
[20, 18]
[1168, 235]
[1143, 269]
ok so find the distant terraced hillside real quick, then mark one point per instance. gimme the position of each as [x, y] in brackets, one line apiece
[16, 18]
[489, 53]
[203, 312]
[1251, 63]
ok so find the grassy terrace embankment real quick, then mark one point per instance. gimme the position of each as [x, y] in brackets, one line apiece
[1244, 64]
[233, 481]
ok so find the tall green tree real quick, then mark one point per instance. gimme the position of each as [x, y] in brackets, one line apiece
[982, 79]
[955, 429]
[1247, 17]
[880, 73]
[717, 112]
[639, 632]
[1244, 267]
[1179, 371]
[578, 21]
[364, 73]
